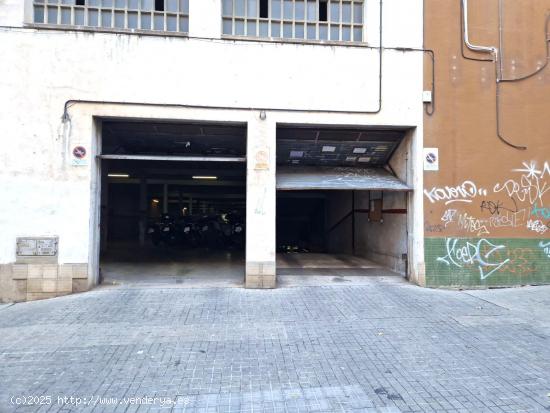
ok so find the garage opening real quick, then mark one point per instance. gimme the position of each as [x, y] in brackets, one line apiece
[173, 203]
[341, 201]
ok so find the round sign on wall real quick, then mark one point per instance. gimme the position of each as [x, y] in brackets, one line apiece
[79, 152]
[431, 159]
[79, 157]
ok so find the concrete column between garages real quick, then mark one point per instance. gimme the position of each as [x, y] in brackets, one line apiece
[260, 204]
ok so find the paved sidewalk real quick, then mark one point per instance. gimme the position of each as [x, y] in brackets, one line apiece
[379, 346]
[2, 306]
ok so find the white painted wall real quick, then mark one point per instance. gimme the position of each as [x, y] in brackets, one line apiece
[12, 12]
[202, 25]
[43, 195]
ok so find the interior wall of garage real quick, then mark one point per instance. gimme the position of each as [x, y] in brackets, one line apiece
[383, 242]
[386, 242]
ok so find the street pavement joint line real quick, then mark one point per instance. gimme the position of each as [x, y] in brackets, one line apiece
[487, 301]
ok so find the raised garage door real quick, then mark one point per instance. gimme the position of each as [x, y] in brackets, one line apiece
[340, 211]
[337, 178]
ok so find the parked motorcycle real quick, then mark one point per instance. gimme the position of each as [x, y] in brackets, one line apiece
[210, 234]
[164, 231]
[237, 237]
[209, 231]
[188, 231]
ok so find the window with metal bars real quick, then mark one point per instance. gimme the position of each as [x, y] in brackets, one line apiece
[156, 15]
[332, 20]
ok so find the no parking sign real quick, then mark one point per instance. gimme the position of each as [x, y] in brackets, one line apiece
[431, 159]
[79, 156]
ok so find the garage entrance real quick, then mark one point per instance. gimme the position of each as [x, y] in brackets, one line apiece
[173, 203]
[341, 202]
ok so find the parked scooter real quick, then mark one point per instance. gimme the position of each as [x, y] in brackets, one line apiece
[188, 231]
[209, 231]
[206, 233]
[237, 236]
[164, 231]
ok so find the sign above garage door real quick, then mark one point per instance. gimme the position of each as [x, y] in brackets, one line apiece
[296, 178]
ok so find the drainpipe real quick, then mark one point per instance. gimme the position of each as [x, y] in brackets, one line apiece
[475, 47]
[498, 65]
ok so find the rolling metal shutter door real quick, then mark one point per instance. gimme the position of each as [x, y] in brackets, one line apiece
[337, 178]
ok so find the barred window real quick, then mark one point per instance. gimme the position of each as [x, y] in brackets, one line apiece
[158, 15]
[334, 20]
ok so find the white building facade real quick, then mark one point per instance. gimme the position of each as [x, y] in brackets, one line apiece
[68, 66]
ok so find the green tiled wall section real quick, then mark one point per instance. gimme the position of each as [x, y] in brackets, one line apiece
[491, 262]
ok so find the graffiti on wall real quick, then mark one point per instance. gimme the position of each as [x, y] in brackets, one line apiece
[482, 261]
[482, 226]
[530, 186]
[464, 192]
[516, 202]
[519, 202]
[480, 254]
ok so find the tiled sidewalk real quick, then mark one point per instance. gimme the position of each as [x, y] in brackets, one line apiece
[382, 346]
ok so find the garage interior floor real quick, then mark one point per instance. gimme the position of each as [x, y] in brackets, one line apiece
[293, 267]
[224, 269]
[186, 268]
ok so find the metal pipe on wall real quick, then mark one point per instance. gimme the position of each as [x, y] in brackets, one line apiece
[462, 40]
[378, 109]
[470, 45]
[501, 80]
[381, 48]
[498, 64]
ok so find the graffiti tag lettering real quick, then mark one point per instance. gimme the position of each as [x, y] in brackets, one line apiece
[460, 193]
[449, 216]
[472, 224]
[496, 207]
[540, 212]
[480, 254]
[482, 226]
[433, 228]
[537, 225]
[530, 187]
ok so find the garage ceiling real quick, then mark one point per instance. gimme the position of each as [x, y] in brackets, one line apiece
[168, 171]
[173, 139]
[296, 145]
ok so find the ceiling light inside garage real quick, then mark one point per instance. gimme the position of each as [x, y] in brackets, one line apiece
[329, 148]
[359, 150]
[118, 175]
[351, 158]
[211, 178]
[296, 154]
[364, 159]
